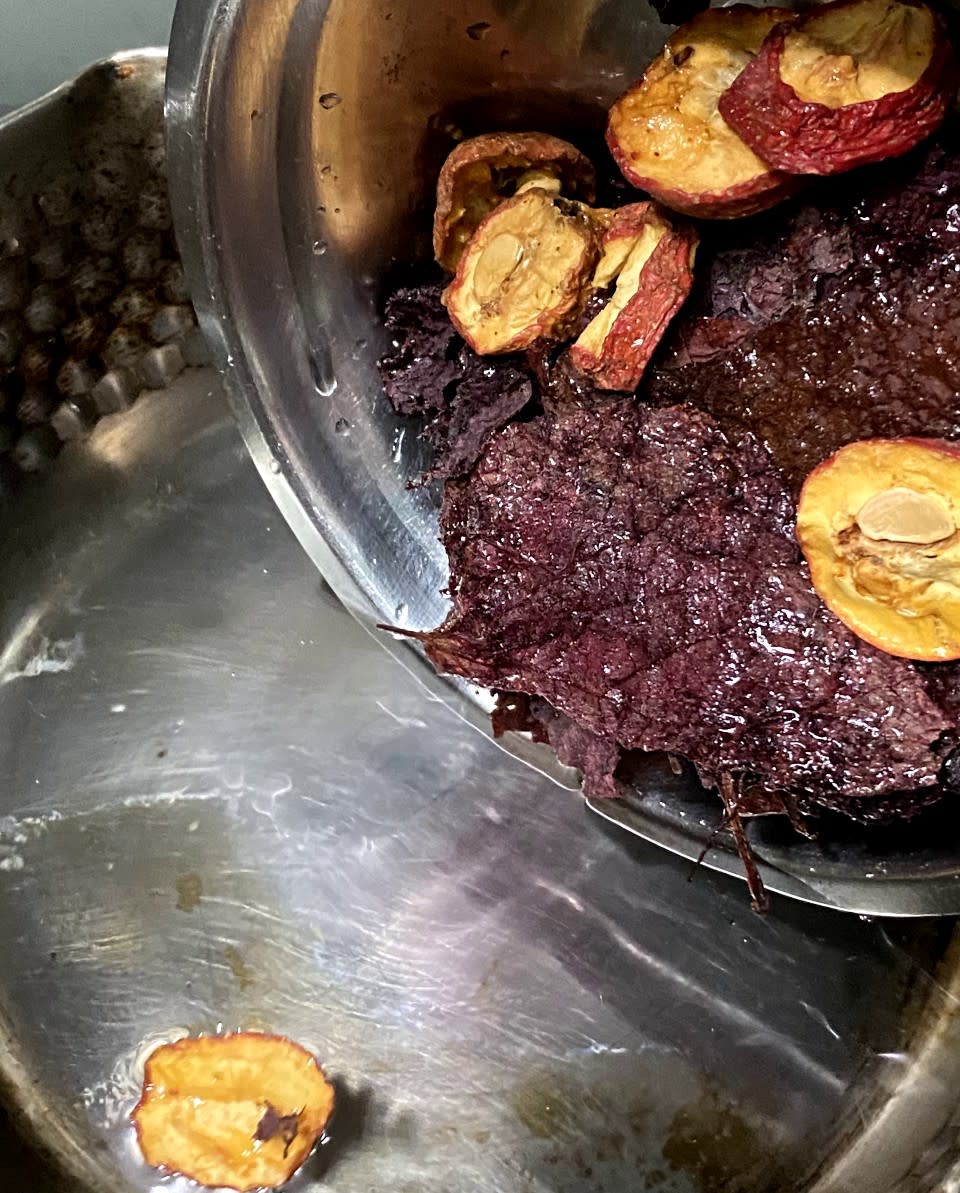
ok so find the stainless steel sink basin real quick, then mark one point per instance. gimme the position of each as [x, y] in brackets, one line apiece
[224, 805]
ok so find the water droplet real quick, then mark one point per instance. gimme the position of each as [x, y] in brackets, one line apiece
[274, 466]
[321, 370]
[319, 248]
[330, 99]
[341, 426]
[400, 613]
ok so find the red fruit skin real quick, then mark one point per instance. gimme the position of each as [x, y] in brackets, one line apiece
[665, 282]
[798, 137]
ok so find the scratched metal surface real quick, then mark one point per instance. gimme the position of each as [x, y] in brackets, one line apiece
[223, 804]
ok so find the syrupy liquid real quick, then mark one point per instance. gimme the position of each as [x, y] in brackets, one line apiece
[833, 320]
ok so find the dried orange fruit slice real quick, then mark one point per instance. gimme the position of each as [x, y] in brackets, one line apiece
[240, 1111]
[879, 524]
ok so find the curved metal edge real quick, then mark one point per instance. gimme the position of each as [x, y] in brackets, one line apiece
[916, 898]
[39, 1122]
[188, 74]
[153, 55]
[43, 1129]
[197, 42]
[919, 1104]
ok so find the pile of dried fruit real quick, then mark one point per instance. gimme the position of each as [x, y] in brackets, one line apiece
[628, 568]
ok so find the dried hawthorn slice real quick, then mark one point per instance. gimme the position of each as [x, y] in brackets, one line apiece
[483, 171]
[667, 135]
[651, 262]
[524, 274]
[851, 83]
[878, 523]
[240, 1111]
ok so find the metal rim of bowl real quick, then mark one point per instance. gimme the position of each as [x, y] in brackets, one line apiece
[200, 44]
[932, 1054]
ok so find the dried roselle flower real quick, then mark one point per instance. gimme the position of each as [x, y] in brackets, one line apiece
[133, 304]
[124, 347]
[100, 228]
[85, 335]
[38, 360]
[77, 378]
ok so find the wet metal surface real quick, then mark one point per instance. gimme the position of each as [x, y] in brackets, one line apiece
[225, 805]
[329, 121]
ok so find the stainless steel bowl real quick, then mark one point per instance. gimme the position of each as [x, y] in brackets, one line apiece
[305, 138]
[223, 805]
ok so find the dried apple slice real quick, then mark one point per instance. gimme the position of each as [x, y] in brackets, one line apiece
[878, 523]
[651, 262]
[525, 272]
[240, 1111]
[667, 135]
[850, 83]
[483, 171]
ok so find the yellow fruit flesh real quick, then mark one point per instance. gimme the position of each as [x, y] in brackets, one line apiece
[877, 524]
[669, 125]
[638, 252]
[857, 53]
[204, 1101]
[525, 269]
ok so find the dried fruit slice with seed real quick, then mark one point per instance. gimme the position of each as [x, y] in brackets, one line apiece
[851, 83]
[878, 523]
[240, 1111]
[525, 273]
[483, 171]
[651, 261]
[667, 134]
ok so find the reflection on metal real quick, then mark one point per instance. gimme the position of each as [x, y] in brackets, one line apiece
[223, 805]
[328, 121]
[234, 809]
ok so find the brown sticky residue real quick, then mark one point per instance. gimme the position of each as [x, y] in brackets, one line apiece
[244, 974]
[722, 1149]
[549, 1107]
[189, 891]
[272, 1125]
